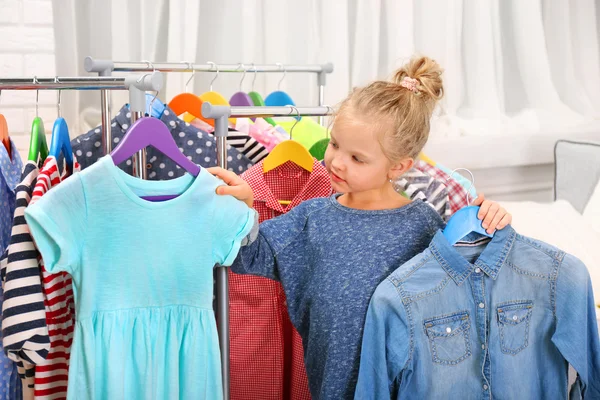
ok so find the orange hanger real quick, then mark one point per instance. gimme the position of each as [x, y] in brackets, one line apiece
[289, 150]
[189, 103]
[4, 135]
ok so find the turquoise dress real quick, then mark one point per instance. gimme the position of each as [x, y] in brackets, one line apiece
[142, 279]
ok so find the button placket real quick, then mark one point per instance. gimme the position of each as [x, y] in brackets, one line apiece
[478, 290]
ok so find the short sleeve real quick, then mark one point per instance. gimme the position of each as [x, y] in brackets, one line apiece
[232, 222]
[58, 223]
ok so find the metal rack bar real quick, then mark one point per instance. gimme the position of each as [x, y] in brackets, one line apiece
[93, 65]
[78, 83]
[212, 111]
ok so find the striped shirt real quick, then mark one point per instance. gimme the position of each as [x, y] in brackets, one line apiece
[247, 145]
[51, 375]
[37, 324]
[418, 185]
[25, 334]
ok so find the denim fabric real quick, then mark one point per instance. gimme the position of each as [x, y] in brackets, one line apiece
[486, 319]
[329, 259]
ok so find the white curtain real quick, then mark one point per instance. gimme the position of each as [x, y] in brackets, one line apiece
[511, 66]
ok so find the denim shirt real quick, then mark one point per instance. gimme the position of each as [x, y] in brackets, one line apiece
[485, 319]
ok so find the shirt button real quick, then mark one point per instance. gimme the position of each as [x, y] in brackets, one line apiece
[148, 166]
[481, 305]
[477, 270]
[448, 330]
[485, 387]
[483, 347]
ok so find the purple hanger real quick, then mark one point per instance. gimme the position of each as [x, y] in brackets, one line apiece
[152, 132]
[241, 99]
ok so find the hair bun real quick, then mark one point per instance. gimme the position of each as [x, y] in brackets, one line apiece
[427, 72]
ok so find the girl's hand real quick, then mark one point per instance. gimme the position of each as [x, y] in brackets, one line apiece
[493, 216]
[236, 186]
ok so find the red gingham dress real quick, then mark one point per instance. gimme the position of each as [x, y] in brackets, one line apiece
[266, 352]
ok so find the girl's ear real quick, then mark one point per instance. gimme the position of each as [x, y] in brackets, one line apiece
[400, 168]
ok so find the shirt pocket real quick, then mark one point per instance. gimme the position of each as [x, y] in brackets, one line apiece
[513, 323]
[449, 337]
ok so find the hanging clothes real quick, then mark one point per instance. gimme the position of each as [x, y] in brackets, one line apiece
[307, 132]
[418, 185]
[239, 140]
[145, 327]
[198, 146]
[464, 182]
[28, 316]
[10, 174]
[51, 375]
[266, 353]
[457, 194]
[483, 319]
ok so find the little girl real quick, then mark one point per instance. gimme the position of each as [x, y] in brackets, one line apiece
[331, 253]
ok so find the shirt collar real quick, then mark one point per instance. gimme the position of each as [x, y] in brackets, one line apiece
[490, 260]
[11, 168]
[318, 185]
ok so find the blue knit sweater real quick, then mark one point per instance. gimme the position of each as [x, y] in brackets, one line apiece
[330, 259]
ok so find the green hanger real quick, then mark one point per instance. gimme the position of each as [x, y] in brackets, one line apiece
[259, 102]
[38, 147]
[317, 150]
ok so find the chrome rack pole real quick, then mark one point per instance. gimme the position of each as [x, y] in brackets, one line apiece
[220, 115]
[251, 112]
[104, 69]
[92, 64]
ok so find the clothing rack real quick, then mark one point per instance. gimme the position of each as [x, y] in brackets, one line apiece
[137, 86]
[106, 67]
[220, 114]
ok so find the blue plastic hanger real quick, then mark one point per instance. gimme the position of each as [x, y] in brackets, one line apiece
[61, 142]
[157, 106]
[280, 98]
[465, 220]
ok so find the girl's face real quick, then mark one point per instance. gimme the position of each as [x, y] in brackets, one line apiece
[354, 158]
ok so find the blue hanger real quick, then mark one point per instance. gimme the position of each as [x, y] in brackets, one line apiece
[465, 220]
[61, 143]
[157, 106]
[280, 98]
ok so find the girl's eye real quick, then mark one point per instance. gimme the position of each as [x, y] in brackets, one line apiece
[333, 144]
[356, 159]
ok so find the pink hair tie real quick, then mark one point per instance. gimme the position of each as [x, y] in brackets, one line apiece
[410, 84]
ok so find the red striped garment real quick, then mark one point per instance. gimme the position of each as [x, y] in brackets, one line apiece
[51, 376]
[266, 352]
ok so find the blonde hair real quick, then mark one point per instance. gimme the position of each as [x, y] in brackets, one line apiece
[402, 108]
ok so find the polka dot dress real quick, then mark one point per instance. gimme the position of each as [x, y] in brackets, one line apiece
[198, 146]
